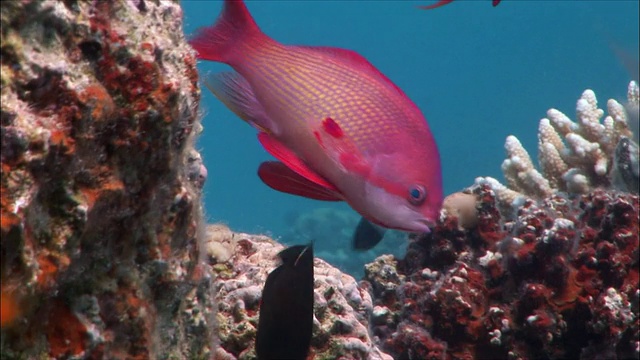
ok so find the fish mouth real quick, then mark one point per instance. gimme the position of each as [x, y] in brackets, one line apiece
[422, 225]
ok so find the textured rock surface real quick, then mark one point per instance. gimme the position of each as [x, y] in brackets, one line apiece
[99, 218]
[560, 281]
[341, 309]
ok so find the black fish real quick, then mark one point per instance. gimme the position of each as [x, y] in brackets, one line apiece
[367, 235]
[286, 309]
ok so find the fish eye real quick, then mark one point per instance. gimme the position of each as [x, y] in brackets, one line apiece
[417, 194]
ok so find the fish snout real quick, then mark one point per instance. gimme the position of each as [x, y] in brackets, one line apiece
[423, 225]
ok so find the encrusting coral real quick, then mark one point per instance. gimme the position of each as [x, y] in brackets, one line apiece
[559, 281]
[574, 157]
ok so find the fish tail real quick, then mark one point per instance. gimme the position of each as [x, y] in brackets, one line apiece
[227, 38]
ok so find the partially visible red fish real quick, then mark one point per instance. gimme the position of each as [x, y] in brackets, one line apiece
[340, 129]
[445, 2]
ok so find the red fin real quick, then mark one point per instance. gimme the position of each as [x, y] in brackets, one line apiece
[279, 177]
[291, 160]
[214, 43]
[436, 5]
[495, 2]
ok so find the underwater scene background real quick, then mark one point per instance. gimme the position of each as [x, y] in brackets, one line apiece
[107, 250]
[478, 73]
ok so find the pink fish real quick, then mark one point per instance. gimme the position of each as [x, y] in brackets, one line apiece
[340, 129]
[445, 2]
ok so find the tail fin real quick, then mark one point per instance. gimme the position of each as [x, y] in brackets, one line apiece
[234, 27]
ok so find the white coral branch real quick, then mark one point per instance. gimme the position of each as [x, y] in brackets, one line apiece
[573, 156]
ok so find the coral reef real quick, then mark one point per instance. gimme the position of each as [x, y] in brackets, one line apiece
[100, 183]
[558, 281]
[104, 254]
[341, 308]
[574, 157]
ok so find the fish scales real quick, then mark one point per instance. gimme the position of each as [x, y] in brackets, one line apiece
[295, 80]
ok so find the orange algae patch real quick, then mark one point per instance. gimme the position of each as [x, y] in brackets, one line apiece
[59, 138]
[92, 194]
[148, 47]
[9, 308]
[98, 99]
[192, 73]
[65, 333]
[566, 299]
[164, 245]
[49, 268]
[8, 220]
[130, 303]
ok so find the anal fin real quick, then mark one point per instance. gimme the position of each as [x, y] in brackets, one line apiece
[291, 160]
[280, 177]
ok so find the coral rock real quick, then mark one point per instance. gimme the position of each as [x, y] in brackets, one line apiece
[461, 207]
[558, 281]
[99, 207]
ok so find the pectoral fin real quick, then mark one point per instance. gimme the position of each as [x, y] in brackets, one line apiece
[236, 93]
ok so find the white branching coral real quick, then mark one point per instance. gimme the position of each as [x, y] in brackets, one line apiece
[575, 157]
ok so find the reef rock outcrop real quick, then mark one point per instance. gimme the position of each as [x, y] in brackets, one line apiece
[100, 189]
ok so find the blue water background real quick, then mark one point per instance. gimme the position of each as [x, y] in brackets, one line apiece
[478, 73]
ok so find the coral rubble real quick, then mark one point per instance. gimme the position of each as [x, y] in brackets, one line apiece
[100, 183]
[574, 157]
[558, 281]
